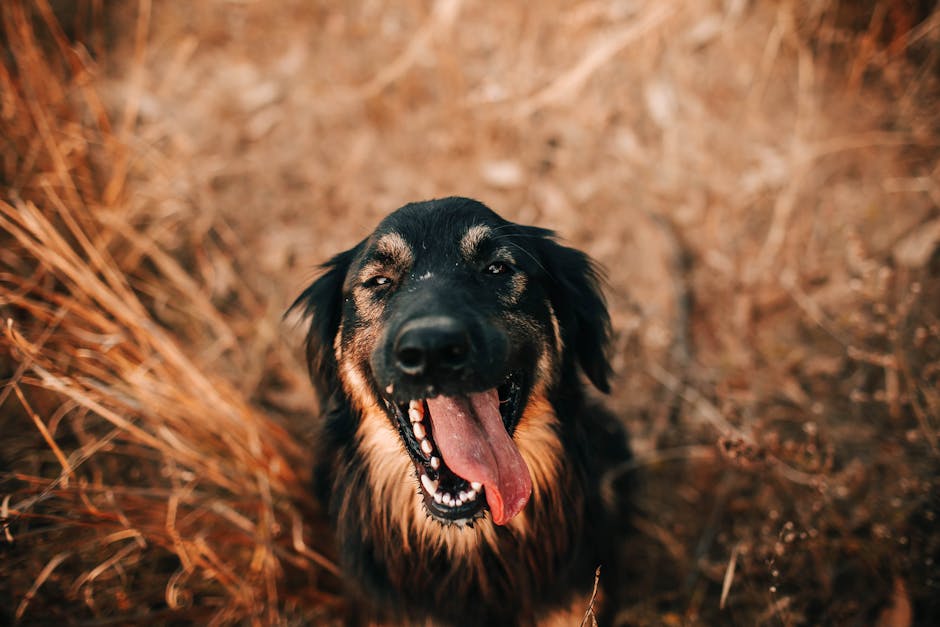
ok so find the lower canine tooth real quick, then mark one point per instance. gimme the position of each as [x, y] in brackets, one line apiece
[426, 447]
[429, 485]
[438, 497]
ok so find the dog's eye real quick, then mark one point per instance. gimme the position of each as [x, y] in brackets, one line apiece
[497, 267]
[377, 281]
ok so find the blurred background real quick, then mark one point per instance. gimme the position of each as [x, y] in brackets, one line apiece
[760, 181]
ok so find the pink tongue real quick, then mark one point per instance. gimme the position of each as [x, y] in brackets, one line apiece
[476, 446]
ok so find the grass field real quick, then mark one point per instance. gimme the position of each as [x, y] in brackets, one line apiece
[760, 180]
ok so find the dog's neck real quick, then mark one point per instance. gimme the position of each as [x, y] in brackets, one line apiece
[386, 535]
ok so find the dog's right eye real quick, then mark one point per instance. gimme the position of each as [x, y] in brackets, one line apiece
[377, 281]
[497, 267]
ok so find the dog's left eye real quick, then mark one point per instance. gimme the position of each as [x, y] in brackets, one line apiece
[497, 267]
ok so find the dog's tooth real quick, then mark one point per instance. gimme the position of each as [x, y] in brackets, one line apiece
[476, 485]
[464, 496]
[435, 463]
[439, 498]
[418, 428]
[390, 389]
[472, 495]
[429, 485]
[414, 415]
[426, 447]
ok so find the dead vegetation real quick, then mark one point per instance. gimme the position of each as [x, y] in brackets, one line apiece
[759, 179]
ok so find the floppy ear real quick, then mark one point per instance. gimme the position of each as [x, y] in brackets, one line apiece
[574, 287]
[322, 303]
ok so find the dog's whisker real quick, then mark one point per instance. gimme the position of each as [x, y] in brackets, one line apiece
[525, 252]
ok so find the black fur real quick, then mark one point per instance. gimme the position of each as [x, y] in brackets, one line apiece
[519, 579]
[322, 304]
[574, 289]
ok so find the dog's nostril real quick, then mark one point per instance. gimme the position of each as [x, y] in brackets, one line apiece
[454, 355]
[410, 359]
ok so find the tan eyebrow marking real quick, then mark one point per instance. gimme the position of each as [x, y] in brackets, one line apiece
[471, 240]
[372, 269]
[504, 254]
[394, 246]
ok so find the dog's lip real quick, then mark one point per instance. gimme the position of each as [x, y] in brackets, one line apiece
[460, 504]
[447, 496]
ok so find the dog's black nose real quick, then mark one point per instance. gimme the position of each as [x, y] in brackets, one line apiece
[431, 343]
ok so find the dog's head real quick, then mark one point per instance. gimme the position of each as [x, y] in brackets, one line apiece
[449, 323]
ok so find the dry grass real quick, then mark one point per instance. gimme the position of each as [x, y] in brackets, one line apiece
[160, 487]
[759, 179]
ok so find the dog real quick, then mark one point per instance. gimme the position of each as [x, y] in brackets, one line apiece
[459, 455]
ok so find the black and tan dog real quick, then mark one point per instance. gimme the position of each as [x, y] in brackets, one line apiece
[460, 458]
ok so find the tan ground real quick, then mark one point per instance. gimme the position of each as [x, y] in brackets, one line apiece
[760, 180]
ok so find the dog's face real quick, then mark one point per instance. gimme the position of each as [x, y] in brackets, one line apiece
[450, 327]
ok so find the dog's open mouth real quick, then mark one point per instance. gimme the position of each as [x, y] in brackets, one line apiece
[464, 454]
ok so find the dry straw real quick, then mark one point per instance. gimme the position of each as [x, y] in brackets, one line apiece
[158, 482]
[760, 179]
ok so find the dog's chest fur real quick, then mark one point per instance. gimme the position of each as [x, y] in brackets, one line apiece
[404, 567]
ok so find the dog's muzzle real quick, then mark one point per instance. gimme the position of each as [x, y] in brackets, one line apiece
[448, 391]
